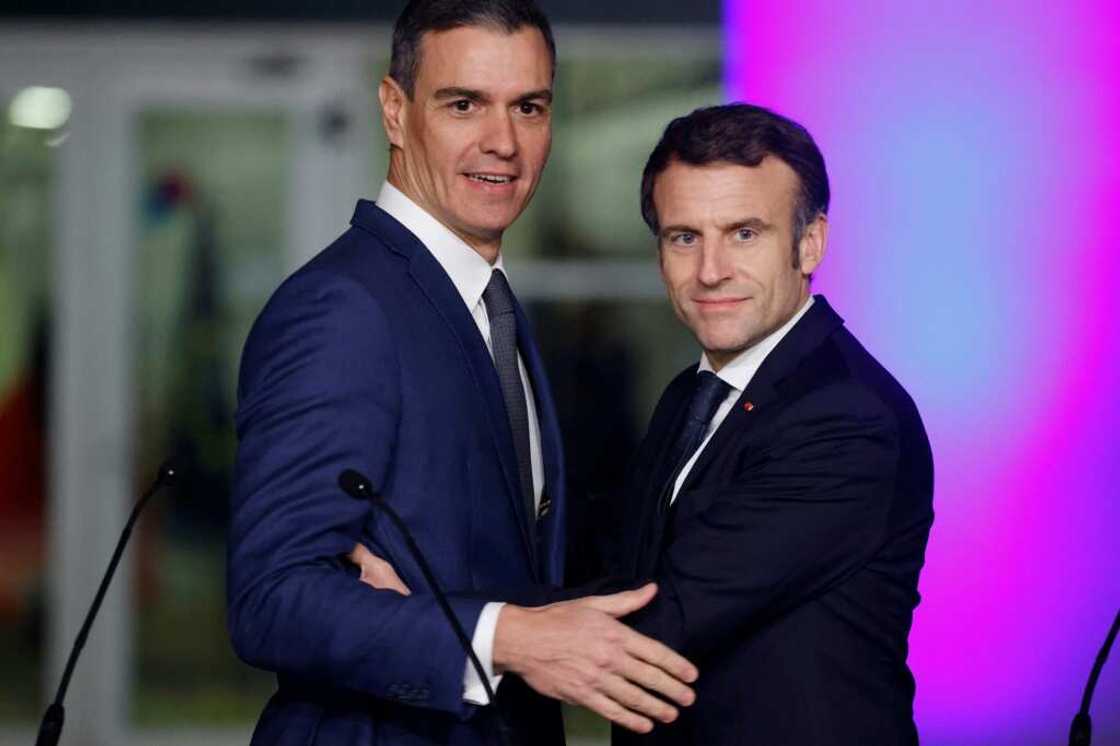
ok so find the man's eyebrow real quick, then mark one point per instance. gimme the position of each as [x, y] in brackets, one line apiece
[543, 94]
[451, 92]
[678, 228]
[756, 224]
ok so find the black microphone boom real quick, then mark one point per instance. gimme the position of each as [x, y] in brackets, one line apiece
[51, 726]
[1081, 729]
[359, 487]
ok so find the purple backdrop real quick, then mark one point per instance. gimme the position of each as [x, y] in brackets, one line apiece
[975, 165]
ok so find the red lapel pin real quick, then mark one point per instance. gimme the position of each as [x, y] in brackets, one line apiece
[748, 406]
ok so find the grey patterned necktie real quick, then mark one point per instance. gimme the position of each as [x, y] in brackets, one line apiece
[498, 298]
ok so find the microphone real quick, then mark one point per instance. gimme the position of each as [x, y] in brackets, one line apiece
[356, 485]
[1081, 729]
[50, 729]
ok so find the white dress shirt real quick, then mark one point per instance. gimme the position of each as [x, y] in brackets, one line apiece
[470, 274]
[737, 373]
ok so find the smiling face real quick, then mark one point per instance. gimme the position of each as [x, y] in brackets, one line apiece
[470, 145]
[726, 249]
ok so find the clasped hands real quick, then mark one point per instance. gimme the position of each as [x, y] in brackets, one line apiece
[579, 652]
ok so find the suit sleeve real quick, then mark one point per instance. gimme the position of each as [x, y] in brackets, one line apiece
[319, 394]
[797, 517]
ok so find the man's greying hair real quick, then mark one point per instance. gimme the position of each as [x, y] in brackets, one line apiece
[422, 16]
[742, 134]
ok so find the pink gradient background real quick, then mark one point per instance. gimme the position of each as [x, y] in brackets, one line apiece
[975, 164]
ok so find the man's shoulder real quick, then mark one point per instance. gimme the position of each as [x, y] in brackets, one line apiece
[366, 256]
[362, 250]
[343, 281]
[842, 374]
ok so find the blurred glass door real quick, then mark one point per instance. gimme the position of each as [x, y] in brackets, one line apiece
[27, 173]
[199, 166]
[235, 184]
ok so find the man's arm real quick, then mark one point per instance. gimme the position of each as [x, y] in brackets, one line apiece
[319, 394]
[802, 514]
[577, 651]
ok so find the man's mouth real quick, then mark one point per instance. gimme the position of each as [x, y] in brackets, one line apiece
[717, 302]
[490, 178]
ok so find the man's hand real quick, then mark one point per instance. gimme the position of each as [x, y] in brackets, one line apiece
[578, 652]
[376, 571]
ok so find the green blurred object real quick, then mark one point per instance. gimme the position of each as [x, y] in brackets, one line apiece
[210, 251]
[27, 173]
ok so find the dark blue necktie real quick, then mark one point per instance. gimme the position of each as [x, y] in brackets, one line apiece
[710, 391]
[705, 400]
[498, 298]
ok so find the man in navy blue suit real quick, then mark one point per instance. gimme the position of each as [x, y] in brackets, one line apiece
[401, 352]
[782, 496]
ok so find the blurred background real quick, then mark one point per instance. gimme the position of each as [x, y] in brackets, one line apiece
[163, 168]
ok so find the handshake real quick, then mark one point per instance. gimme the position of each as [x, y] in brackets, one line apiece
[579, 652]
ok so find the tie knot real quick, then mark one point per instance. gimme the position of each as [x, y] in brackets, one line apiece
[710, 391]
[498, 296]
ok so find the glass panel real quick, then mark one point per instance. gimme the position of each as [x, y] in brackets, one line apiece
[211, 250]
[26, 183]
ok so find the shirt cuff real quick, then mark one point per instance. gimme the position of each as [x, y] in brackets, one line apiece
[483, 644]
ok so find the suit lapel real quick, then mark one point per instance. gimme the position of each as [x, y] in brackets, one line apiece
[647, 509]
[434, 283]
[551, 525]
[767, 387]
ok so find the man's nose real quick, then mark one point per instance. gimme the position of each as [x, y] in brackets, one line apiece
[714, 264]
[500, 137]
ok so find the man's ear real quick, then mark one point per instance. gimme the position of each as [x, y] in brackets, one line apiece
[394, 104]
[814, 242]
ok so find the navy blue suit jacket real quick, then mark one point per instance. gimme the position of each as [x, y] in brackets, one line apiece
[367, 358]
[788, 564]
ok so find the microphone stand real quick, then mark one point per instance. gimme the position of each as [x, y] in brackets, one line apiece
[358, 486]
[1081, 729]
[50, 729]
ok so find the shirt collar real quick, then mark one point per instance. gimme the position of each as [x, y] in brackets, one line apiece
[469, 272]
[739, 371]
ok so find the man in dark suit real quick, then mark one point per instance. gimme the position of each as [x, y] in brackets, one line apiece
[401, 352]
[782, 496]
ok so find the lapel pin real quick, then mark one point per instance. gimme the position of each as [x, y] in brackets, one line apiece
[748, 406]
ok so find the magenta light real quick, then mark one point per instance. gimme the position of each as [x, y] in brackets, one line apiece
[975, 164]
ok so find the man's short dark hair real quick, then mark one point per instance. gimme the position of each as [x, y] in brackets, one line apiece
[742, 134]
[421, 16]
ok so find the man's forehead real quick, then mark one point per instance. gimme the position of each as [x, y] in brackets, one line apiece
[723, 189]
[485, 55]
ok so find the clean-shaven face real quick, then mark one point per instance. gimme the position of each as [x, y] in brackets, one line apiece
[475, 136]
[726, 251]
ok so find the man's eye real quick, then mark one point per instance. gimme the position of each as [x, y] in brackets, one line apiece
[746, 234]
[683, 239]
[529, 109]
[462, 105]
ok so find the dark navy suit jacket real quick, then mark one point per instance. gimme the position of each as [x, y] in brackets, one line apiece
[367, 358]
[788, 564]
